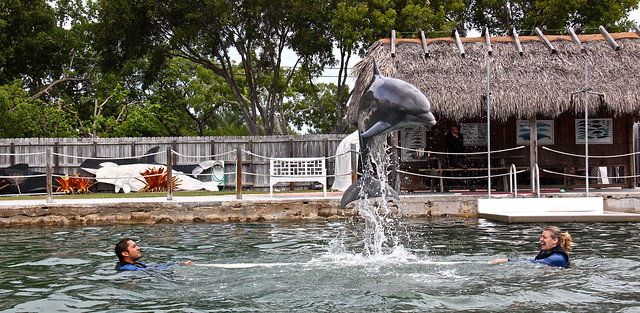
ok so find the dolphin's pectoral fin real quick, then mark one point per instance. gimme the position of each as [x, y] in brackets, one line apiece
[377, 128]
[367, 187]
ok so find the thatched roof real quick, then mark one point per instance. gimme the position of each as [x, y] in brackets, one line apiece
[536, 82]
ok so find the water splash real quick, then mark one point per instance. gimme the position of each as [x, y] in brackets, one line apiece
[381, 226]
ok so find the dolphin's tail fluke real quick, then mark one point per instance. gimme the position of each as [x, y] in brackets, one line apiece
[367, 186]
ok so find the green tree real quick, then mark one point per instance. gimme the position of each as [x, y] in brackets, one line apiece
[524, 15]
[32, 45]
[23, 116]
[191, 100]
[213, 34]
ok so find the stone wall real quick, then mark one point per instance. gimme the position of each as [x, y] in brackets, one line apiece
[236, 211]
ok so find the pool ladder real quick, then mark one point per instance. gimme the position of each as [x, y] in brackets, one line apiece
[513, 181]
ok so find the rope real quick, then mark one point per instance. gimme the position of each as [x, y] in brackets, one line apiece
[341, 154]
[458, 177]
[108, 158]
[84, 177]
[253, 154]
[284, 158]
[202, 156]
[119, 177]
[459, 153]
[24, 176]
[19, 154]
[585, 176]
[307, 158]
[255, 174]
[591, 156]
[336, 175]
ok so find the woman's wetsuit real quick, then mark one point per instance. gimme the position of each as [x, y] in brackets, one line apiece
[555, 256]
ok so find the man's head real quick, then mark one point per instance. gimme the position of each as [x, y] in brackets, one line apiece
[127, 251]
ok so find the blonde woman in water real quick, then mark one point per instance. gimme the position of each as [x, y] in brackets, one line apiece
[554, 246]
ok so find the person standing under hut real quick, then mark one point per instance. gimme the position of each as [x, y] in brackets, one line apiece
[554, 246]
[455, 144]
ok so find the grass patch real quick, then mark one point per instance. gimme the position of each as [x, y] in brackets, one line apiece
[106, 195]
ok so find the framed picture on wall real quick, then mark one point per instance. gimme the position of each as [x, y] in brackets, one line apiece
[600, 131]
[545, 132]
[414, 139]
[475, 134]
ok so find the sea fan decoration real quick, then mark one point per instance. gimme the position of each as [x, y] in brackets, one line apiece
[74, 184]
[155, 179]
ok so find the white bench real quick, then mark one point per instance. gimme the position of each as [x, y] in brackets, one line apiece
[297, 170]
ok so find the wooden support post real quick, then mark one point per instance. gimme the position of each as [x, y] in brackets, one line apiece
[292, 185]
[575, 39]
[456, 35]
[251, 161]
[169, 174]
[12, 154]
[631, 169]
[174, 147]
[133, 149]
[393, 43]
[610, 39]
[487, 40]
[238, 172]
[56, 158]
[49, 180]
[516, 39]
[423, 40]
[354, 163]
[395, 161]
[545, 40]
[636, 28]
[533, 150]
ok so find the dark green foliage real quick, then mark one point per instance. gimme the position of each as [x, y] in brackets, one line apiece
[83, 68]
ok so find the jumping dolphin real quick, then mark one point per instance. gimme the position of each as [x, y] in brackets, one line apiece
[387, 104]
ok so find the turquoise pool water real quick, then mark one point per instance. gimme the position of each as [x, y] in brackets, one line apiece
[434, 265]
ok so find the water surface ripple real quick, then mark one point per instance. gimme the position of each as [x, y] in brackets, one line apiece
[434, 265]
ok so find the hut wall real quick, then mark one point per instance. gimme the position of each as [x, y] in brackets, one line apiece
[504, 135]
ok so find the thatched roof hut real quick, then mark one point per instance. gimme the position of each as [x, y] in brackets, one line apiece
[538, 81]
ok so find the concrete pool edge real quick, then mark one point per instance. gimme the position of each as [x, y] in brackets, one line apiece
[257, 208]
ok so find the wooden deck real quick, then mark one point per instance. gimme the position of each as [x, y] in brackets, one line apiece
[550, 210]
[563, 218]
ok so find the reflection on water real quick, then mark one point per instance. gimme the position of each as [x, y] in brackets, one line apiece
[323, 269]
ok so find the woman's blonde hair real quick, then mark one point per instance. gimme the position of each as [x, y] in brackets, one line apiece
[564, 239]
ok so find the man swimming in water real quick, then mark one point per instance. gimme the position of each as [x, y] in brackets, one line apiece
[129, 253]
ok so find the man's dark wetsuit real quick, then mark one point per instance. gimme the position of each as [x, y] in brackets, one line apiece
[122, 266]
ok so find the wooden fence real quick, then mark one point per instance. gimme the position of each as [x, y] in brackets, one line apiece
[68, 153]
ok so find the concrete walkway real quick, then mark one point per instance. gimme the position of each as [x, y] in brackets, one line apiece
[176, 199]
[618, 205]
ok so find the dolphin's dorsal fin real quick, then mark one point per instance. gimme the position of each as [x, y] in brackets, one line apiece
[376, 70]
